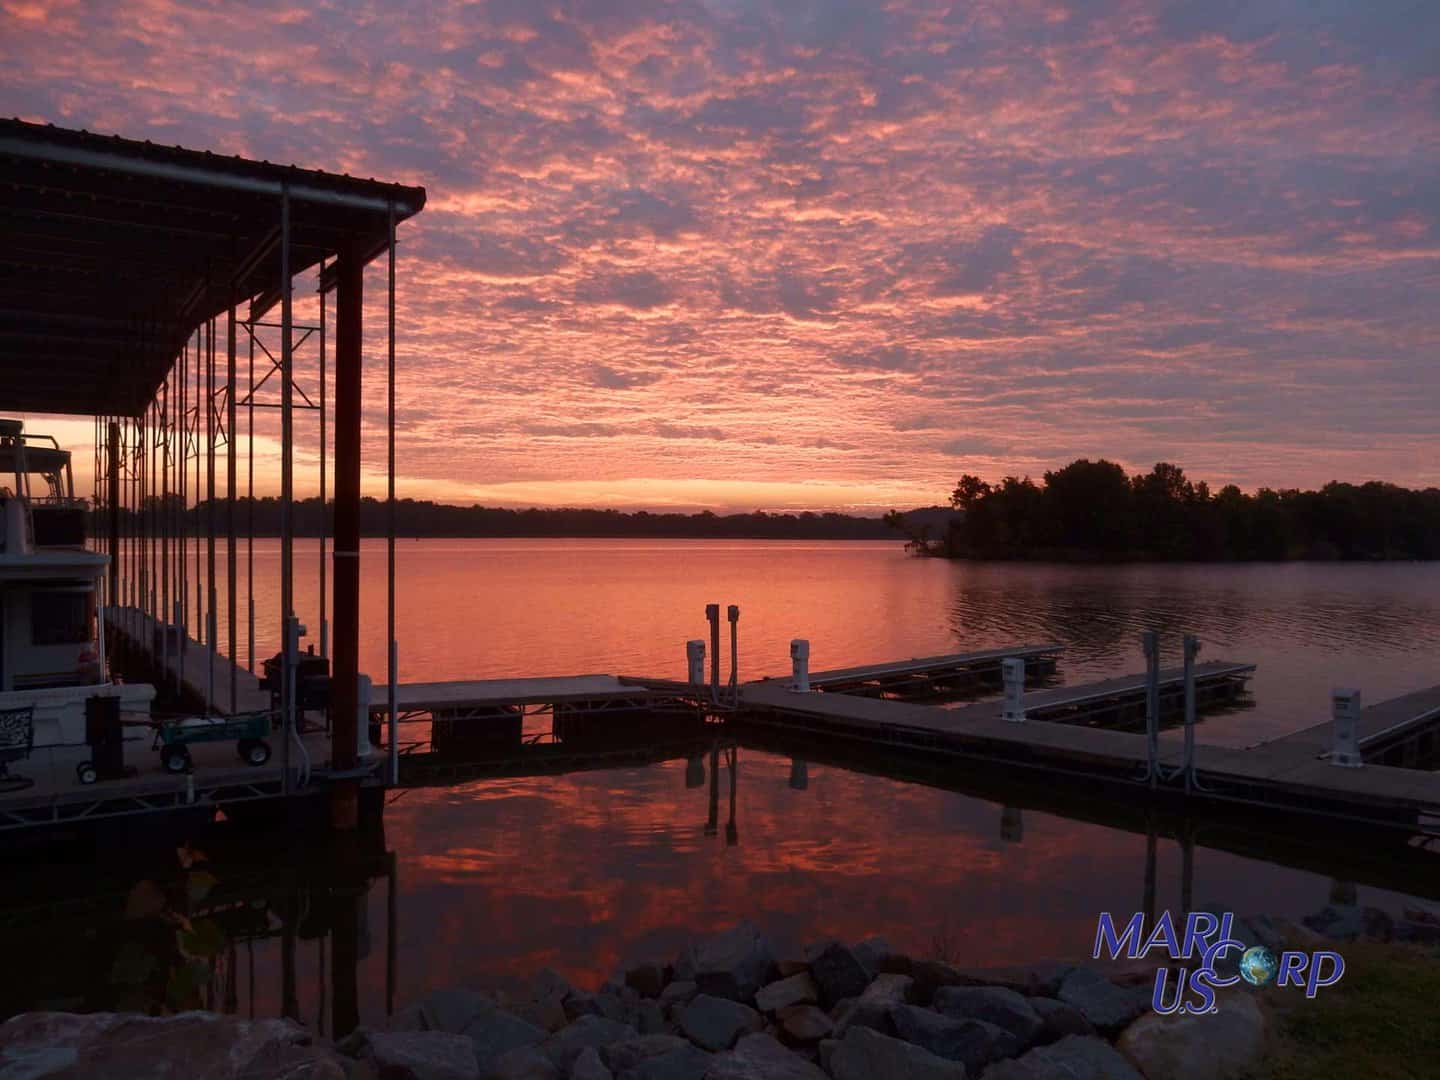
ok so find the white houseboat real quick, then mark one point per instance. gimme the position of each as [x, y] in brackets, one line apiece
[52, 655]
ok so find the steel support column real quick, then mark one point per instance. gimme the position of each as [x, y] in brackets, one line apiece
[350, 278]
[112, 464]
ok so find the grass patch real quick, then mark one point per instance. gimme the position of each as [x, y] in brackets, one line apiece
[1382, 1020]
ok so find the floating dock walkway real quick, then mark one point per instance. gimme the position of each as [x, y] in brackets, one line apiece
[200, 672]
[1290, 774]
[927, 674]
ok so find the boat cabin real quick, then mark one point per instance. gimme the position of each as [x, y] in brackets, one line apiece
[51, 651]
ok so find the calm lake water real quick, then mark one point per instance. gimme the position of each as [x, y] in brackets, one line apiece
[496, 879]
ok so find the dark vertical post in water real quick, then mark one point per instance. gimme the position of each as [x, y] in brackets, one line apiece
[289, 999]
[712, 612]
[231, 442]
[1150, 858]
[732, 828]
[112, 463]
[349, 271]
[345, 959]
[712, 824]
[392, 929]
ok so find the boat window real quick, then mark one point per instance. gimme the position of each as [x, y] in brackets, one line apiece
[62, 617]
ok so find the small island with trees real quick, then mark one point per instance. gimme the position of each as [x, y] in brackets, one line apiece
[1092, 511]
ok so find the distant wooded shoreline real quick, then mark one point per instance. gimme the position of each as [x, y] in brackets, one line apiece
[1091, 511]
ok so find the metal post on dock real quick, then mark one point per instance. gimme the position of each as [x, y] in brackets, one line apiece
[800, 665]
[1345, 711]
[733, 614]
[712, 615]
[1151, 642]
[1012, 672]
[393, 735]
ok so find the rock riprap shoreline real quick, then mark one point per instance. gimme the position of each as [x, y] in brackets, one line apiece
[728, 1008]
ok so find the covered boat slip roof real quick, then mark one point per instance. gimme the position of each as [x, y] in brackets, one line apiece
[112, 251]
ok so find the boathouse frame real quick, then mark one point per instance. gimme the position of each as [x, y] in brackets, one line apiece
[132, 275]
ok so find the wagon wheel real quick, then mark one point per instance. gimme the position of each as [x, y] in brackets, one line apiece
[254, 751]
[176, 759]
[86, 772]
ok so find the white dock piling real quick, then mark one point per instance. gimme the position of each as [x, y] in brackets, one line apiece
[1345, 711]
[695, 661]
[1012, 672]
[800, 665]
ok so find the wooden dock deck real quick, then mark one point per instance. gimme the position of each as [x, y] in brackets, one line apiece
[922, 673]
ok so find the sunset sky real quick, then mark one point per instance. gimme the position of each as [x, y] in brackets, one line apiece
[735, 254]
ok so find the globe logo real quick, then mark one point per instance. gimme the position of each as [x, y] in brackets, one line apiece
[1258, 965]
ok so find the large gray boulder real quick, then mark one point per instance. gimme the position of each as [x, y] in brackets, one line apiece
[1058, 1019]
[973, 1043]
[803, 1024]
[1077, 1057]
[838, 973]
[1224, 1043]
[930, 975]
[678, 993]
[111, 1046]
[873, 953]
[1108, 1007]
[423, 1055]
[565, 1045]
[993, 1004]
[1347, 922]
[522, 1063]
[713, 1023]
[796, 990]
[867, 1055]
[733, 964]
[628, 1053]
[872, 1008]
[687, 1062]
[493, 1031]
[451, 1009]
[588, 1066]
[760, 1057]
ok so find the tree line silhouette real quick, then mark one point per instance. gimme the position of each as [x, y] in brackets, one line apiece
[1091, 510]
[417, 518]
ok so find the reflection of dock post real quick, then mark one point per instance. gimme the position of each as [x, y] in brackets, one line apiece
[695, 771]
[732, 831]
[289, 1001]
[1150, 860]
[1012, 824]
[392, 926]
[345, 959]
[712, 824]
[1187, 867]
[799, 775]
